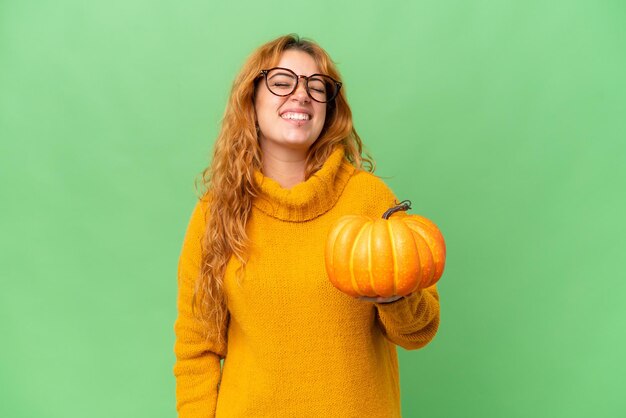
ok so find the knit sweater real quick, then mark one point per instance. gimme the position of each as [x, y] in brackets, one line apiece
[295, 346]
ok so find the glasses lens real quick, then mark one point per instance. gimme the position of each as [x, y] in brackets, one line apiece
[281, 82]
[322, 88]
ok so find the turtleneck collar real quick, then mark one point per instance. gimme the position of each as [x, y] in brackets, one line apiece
[309, 199]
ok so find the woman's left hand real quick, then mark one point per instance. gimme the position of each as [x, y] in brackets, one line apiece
[381, 299]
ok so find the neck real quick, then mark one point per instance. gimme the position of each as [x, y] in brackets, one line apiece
[286, 167]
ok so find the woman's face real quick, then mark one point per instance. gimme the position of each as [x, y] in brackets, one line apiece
[291, 122]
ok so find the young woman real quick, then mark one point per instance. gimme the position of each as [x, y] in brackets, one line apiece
[253, 290]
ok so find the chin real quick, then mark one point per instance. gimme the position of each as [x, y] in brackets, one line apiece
[299, 141]
[292, 142]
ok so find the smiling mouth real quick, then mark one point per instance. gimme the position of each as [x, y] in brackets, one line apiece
[295, 116]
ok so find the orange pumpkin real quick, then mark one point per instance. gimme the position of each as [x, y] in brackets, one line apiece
[384, 257]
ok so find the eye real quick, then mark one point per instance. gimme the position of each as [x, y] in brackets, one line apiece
[281, 83]
[317, 85]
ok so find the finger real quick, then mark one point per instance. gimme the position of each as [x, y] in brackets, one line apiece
[368, 299]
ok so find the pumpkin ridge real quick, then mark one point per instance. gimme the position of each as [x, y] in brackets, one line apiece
[340, 276]
[395, 258]
[355, 285]
[428, 241]
[429, 264]
[436, 246]
[428, 225]
[369, 257]
[417, 231]
[414, 252]
[335, 232]
[339, 228]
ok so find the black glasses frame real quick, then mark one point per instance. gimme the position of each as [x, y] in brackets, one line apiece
[306, 83]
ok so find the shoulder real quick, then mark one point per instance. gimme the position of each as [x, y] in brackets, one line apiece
[199, 215]
[369, 193]
[369, 183]
[202, 204]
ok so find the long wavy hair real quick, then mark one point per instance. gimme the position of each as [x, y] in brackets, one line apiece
[228, 182]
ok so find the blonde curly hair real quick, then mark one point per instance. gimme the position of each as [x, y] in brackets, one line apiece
[228, 182]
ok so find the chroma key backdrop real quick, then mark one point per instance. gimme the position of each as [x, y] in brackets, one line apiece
[503, 122]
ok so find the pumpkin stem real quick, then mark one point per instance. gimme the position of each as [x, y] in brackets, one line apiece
[402, 206]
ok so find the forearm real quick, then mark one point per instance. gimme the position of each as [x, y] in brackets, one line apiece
[411, 322]
[197, 368]
[196, 388]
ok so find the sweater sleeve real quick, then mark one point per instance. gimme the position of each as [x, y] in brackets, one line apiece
[197, 368]
[411, 322]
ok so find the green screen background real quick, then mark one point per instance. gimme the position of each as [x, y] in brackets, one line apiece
[504, 122]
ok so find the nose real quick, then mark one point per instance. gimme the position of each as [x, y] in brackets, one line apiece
[300, 94]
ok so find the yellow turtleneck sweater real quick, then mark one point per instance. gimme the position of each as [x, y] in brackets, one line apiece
[295, 345]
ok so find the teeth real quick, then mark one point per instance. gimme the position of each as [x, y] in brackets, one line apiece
[295, 116]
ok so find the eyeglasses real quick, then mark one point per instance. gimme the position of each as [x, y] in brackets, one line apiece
[283, 82]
